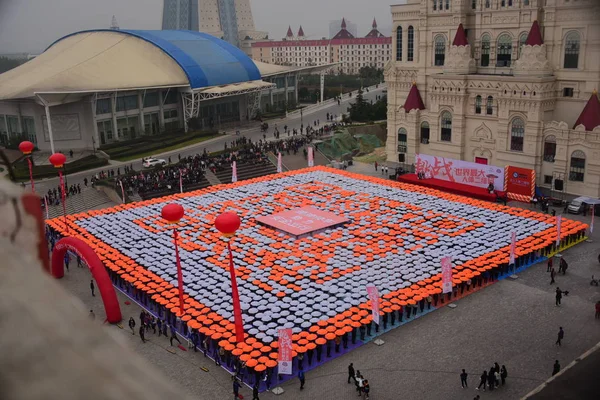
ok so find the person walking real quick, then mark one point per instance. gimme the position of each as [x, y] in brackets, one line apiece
[561, 335]
[132, 325]
[549, 265]
[491, 379]
[482, 381]
[67, 260]
[141, 332]
[236, 388]
[92, 287]
[503, 374]
[92, 315]
[351, 373]
[598, 309]
[558, 296]
[358, 381]
[255, 392]
[556, 368]
[174, 336]
[366, 389]
[463, 379]
[552, 275]
[376, 165]
[301, 378]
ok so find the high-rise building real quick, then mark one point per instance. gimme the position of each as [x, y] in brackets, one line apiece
[180, 15]
[230, 20]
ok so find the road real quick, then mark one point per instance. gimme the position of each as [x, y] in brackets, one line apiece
[293, 121]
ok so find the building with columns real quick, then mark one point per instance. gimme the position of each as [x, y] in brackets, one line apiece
[351, 53]
[503, 82]
[94, 88]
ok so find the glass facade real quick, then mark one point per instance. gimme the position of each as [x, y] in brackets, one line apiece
[150, 99]
[103, 106]
[170, 97]
[105, 131]
[128, 127]
[180, 15]
[28, 124]
[125, 103]
[151, 123]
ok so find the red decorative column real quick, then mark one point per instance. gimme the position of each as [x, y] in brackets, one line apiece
[173, 213]
[59, 160]
[26, 148]
[228, 223]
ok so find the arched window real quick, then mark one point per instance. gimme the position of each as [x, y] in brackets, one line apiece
[447, 5]
[517, 134]
[399, 44]
[572, 42]
[411, 44]
[522, 40]
[402, 139]
[425, 132]
[577, 170]
[504, 50]
[473, 4]
[550, 148]
[478, 105]
[440, 50]
[489, 106]
[434, 5]
[446, 124]
[485, 50]
[487, 3]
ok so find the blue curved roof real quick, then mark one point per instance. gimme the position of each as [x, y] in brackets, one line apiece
[205, 59]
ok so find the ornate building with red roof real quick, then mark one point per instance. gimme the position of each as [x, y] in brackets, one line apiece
[350, 52]
[502, 82]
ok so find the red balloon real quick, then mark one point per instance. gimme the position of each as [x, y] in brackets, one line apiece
[172, 212]
[227, 223]
[58, 160]
[26, 147]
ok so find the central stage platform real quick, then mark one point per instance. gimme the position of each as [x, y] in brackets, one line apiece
[452, 187]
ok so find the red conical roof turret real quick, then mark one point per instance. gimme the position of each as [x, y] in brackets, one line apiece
[460, 39]
[343, 23]
[289, 32]
[535, 35]
[413, 100]
[374, 25]
[300, 32]
[590, 116]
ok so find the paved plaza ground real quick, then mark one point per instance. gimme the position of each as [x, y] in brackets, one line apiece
[513, 322]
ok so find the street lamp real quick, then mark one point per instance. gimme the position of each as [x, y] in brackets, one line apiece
[26, 148]
[59, 160]
[228, 223]
[173, 213]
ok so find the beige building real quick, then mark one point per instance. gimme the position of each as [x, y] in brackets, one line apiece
[350, 52]
[505, 90]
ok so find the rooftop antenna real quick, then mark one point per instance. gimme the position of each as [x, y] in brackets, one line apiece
[114, 25]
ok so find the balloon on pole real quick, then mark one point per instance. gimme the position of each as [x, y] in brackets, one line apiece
[173, 213]
[59, 160]
[228, 223]
[26, 148]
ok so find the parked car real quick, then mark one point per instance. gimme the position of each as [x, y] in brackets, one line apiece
[152, 162]
[576, 205]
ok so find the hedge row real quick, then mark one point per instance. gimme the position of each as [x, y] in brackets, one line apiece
[21, 169]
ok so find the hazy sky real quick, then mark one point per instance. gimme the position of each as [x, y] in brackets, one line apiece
[31, 25]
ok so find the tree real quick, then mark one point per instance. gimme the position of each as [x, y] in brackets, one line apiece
[7, 64]
[360, 109]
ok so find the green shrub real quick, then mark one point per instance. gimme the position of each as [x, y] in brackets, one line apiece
[21, 169]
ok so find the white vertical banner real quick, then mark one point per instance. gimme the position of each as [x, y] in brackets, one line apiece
[446, 275]
[122, 191]
[373, 294]
[592, 222]
[234, 172]
[558, 221]
[279, 163]
[513, 245]
[180, 183]
[311, 157]
[46, 204]
[285, 347]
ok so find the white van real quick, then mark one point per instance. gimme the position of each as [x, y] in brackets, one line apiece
[576, 205]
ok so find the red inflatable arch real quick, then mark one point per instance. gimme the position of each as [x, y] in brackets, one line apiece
[107, 291]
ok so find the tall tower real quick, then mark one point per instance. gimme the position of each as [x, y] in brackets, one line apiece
[180, 14]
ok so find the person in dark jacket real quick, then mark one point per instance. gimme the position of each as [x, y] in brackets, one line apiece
[236, 388]
[555, 368]
[351, 373]
[482, 380]
[132, 325]
[560, 336]
[558, 296]
[255, 392]
[503, 374]
[491, 379]
[463, 379]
